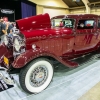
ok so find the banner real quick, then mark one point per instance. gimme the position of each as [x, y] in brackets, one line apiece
[7, 13]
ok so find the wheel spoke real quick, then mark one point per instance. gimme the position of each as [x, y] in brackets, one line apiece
[38, 76]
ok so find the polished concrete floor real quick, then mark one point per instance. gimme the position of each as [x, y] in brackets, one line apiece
[81, 83]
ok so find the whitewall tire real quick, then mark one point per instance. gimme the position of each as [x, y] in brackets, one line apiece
[36, 76]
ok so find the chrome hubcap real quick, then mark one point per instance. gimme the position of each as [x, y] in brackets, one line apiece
[38, 76]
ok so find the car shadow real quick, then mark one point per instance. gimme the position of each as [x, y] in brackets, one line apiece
[61, 69]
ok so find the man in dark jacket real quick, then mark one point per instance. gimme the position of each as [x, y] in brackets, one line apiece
[9, 27]
[2, 29]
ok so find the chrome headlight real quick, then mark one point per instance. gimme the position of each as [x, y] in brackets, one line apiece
[5, 40]
[17, 44]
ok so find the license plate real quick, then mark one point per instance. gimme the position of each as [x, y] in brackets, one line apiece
[6, 61]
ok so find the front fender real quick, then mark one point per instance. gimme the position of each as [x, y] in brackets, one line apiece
[29, 55]
[4, 51]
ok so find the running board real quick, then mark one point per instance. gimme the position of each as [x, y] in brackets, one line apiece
[75, 62]
[70, 63]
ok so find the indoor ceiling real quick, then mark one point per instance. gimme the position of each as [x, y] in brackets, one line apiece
[94, 1]
[72, 3]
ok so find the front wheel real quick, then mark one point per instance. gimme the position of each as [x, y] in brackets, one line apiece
[36, 76]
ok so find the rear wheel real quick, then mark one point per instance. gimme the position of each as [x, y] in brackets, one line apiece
[36, 76]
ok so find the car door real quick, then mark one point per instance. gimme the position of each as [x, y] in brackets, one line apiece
[85, 39]
[98, 32]
[68, 37]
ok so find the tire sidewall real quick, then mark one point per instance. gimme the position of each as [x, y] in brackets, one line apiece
[34, 65]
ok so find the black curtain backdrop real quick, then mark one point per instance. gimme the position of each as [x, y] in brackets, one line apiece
[17, 6]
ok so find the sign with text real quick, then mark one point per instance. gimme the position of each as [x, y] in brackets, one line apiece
[10, 14]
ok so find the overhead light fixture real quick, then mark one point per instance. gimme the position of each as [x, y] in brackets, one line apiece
[76, 0]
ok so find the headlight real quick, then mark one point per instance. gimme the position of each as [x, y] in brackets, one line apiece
[17, 44]
[5, 40]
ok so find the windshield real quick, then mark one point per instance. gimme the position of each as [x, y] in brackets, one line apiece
[63, 22]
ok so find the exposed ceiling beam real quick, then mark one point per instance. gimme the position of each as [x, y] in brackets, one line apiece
[89, 4]
[76, 7]
[93, 3]
[87, 7]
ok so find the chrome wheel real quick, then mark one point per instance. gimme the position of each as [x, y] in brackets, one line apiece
[39, 76]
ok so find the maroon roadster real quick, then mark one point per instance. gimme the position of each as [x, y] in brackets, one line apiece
[42, 41]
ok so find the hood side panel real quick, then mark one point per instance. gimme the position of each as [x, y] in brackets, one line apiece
[34, 22]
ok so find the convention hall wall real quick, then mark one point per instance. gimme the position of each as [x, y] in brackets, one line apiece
[53, 7]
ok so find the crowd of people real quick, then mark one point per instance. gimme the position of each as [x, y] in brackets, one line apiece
[6, 27]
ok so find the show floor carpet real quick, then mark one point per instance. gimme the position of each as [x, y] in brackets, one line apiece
[67, 84]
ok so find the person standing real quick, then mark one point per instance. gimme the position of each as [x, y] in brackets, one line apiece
[9, 27]
[61, 24]
[2, 29]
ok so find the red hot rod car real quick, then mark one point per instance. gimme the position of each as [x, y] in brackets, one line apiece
[42, 41]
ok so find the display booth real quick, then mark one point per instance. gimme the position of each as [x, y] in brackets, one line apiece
[17, 9]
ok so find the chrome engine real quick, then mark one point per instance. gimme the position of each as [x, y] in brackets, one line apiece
[15, 41]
